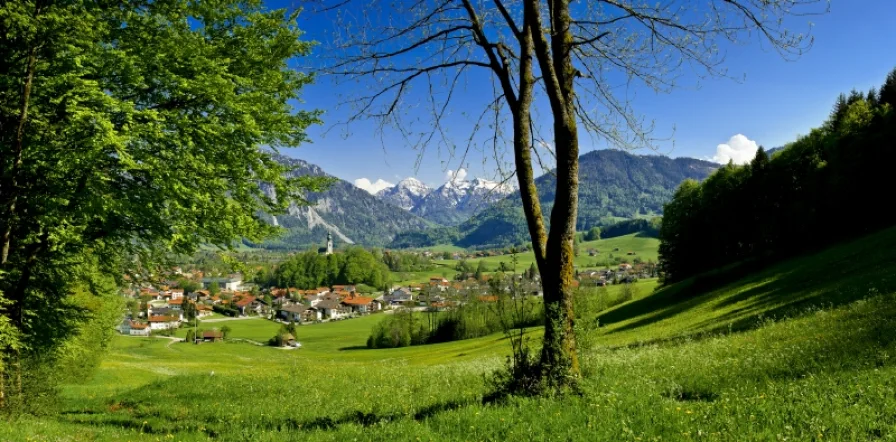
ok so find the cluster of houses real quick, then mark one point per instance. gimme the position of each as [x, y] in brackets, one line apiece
[322, 303]
[441, 294]
[623, 273]
[162, 306]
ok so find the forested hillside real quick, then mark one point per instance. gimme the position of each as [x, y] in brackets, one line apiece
[826, 186]
[614, 185]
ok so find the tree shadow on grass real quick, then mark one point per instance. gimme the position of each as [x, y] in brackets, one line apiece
[663, 304]
[830, 278]
[158, 422]
[354, 348]
[366, 419]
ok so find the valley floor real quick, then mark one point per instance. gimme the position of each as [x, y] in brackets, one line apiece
[805, 350]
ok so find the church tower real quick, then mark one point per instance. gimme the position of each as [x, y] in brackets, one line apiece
[329, 243]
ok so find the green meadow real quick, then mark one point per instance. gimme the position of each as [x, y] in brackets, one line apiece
[606, 250]
[802, 350]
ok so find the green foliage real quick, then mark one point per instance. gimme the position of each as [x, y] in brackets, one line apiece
[473, 318]
[425, 238]
[310, 269]
[189, 286]
[147, 131]
[189, 309]
[81, 353]
[225, 310]
[645, 227]
[593, 234]
[398, 261]
[804, 197]
[225, 331]
[628, 292]
[398, 330]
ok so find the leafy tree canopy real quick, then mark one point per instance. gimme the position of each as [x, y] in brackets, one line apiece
[133, 130]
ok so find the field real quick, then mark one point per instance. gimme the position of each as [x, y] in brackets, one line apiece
[803, 350]
[643, 247]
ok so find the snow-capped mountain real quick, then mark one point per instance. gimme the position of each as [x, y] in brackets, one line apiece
[406, 194]
[350, 214]
[450, 204]
[457, 200]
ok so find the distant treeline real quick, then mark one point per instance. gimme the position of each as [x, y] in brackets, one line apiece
[647, 227]
[827, 186]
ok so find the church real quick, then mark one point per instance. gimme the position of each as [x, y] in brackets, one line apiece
[328, 250]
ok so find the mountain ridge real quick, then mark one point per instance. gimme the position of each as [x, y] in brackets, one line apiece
[613, 185]
[351, 214]
[457, 200]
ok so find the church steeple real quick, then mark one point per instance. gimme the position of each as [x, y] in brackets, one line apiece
[329, 243]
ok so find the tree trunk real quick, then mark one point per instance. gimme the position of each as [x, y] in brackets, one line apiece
[12, 185]
[559, 359]
[558, 355]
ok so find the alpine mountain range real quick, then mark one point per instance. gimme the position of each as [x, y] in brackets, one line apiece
[450, 204]
[614, 185]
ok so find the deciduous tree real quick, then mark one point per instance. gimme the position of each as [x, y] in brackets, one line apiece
[130, 130]
[577, 57]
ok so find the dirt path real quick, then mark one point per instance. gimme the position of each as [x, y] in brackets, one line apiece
[172, 339]
[241, 318]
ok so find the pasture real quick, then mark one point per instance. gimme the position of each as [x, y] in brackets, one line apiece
[802, 350]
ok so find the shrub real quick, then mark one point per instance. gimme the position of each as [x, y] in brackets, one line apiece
[398, 330]
[627, 292]
[224, 310]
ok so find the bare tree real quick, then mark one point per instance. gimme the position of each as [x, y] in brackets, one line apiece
[580, 57]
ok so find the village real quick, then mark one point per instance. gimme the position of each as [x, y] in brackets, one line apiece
[181, 297]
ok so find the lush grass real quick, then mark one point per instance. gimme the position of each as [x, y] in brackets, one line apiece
[833, 277]
[644, 247]
[795, 352]
[439, 248]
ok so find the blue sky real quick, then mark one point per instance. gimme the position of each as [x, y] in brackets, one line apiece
[775, 101]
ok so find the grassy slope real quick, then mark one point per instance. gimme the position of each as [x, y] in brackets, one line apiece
[831, 277]
[665, 366]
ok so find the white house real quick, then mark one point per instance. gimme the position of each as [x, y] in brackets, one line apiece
[163, 322]
[330, 309]
[233, 283]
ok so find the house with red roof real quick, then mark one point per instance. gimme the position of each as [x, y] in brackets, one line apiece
[244, 303]
[360, 304]
[344, 288]
[138, 328]
[163, 322]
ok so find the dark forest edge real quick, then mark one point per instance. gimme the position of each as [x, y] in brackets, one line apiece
[823, 188]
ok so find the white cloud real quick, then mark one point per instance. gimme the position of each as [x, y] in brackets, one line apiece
[458, 175]
[374, 187]
[739, 149]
